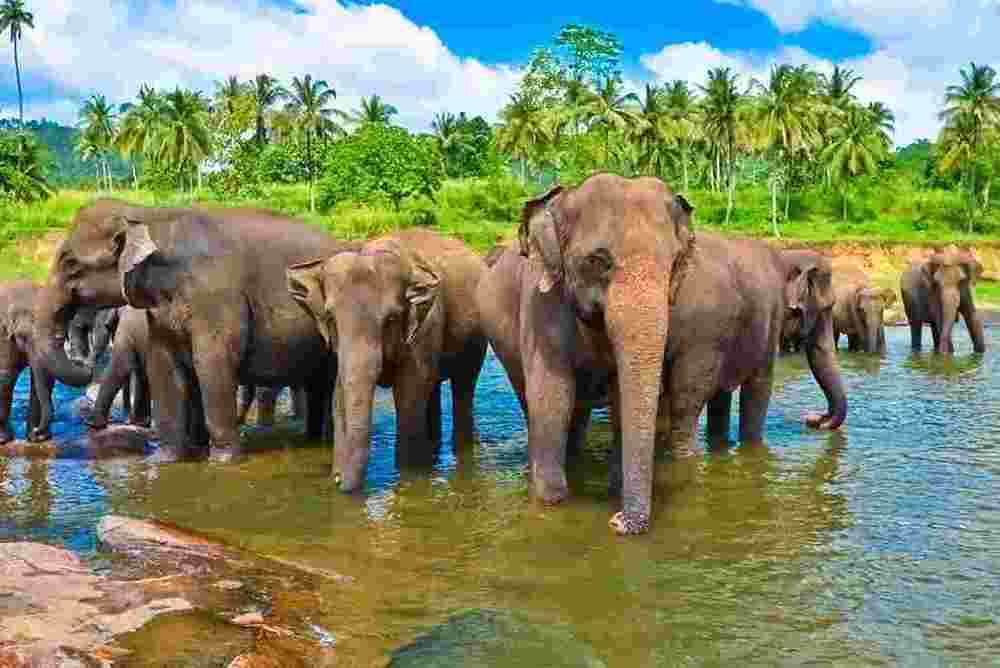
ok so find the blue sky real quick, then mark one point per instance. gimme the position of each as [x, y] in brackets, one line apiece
[425, 56]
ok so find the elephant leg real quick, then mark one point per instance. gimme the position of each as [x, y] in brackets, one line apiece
[245, 398]
[34, 415]
[935, 334]
[140, 400]
[170, 401]
[217, 371]
[916, 335]
[463, 395]
[434, 414]
[10, 370]
[975, 325]
[339, 420]
[413, 394]
[42, 384]
[755, 396]
[578, 426]
[693, 381]
[299, 402]
[267, 397]
[719, 409]
[318, 409]
[615, 473]
[881, 341]
[551, 398]
[853, 342]
[127, 397]
[116, 378]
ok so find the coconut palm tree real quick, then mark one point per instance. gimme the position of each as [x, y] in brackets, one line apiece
[838, 86]
[975, 104]
[228, 92]
[612, 109]
[855, 149]
[309, 106]
[786, 116]
[183, 140]
[14, 18]
[524, 130]
[98, 124]
[267, 92]
[681, 109]
[721, 113]
[883, 122]
[372, 110]
[140, 127]
[650, 133]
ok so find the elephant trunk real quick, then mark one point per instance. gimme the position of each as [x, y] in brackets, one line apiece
[950, 301]
[822, 356]
[873, 325]
[357, 375]
[637, 318]
[51, 317]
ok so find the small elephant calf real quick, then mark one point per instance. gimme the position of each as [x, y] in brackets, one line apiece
[400, 312]
[859, 311]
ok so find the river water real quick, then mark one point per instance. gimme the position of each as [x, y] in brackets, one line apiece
[879, 544]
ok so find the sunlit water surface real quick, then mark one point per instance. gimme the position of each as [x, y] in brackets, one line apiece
[879, 544]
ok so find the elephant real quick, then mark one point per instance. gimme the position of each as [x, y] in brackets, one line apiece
[266, 399]
[859, 311]
[126, 372]
[626, 294]
[90, 333]
[399, 312]
[938, 289]
[219, 312]
[22, 350]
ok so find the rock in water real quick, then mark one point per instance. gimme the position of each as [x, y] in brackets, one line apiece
[148, 537]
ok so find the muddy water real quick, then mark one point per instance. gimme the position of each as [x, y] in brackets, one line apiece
[876, 545]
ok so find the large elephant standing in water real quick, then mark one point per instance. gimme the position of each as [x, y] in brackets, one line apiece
[401, 313]
[21, 349]
[127, 372]
[624, 284]
[935, 292]
[91, 332]
[860, 310]
[213, 284]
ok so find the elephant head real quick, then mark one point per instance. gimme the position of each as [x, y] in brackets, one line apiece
[378, 309]
[952, 276]
[615, 249]
[809, 301]
[87, 272]
[868, 313]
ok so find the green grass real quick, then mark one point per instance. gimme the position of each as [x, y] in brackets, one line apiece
[988, 292]
[484, 211]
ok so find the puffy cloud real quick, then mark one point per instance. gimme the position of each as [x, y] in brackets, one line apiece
[112, 46]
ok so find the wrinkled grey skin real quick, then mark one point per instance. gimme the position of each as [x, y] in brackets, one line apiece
[936, 291]
[20, 350]
[624, 294]
[126, 371]
[90, 334]
[267, 398]
[860, 311]
[213, 284]
[399, 313]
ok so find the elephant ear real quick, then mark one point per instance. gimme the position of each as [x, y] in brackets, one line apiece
[306, 285]
[540, 237]
[680, 212]
[422, 297]
[808, 292]
[138, 253]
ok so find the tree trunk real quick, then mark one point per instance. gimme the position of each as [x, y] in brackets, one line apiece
[684, 159]
[774, 207]
[309, 166]
[845, 204]
[788, 198]
[135, 178]
[99, 180]
[20, 93]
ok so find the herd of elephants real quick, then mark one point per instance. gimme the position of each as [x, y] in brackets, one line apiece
[610, 297]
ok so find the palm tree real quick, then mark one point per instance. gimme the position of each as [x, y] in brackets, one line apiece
[87, 151]
[976, 101]
[786, 116]
[15, 18]
[838, 86]
[98, 124]
[524, 130]
[228, 92]
[721, 108]
[855, 148]
[609, 107]
[883, 122]
[309, 100]
[650, 133]
[184, 139]
[22, 158]
[266, 93]
[682, 110]
[140, 127]
[449, 137]
[956, 147]
[372, 110]
[576, 94]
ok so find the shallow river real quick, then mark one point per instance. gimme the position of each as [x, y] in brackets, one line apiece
[879, 544]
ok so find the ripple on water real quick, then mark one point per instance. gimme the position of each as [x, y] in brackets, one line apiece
[877, 544]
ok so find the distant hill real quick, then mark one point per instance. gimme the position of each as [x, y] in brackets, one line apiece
[66, 169]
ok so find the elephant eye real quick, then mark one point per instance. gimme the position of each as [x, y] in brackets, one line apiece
[598, 263]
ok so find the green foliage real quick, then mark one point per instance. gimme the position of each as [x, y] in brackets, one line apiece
[283, 163]
[23, 168]
[380, 163]
[589, 53]
[467, 146]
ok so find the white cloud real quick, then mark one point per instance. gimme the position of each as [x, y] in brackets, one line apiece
[112, 46]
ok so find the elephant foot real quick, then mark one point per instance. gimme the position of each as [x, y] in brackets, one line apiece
[96, 422]
[552, 496]
[820, 421]
[39, 435]
[227, 455]
[629, 524]
[167, 456]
